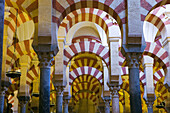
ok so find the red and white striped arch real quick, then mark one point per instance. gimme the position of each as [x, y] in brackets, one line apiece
[115, 8]
[121, 59]
[158, 75]
[158, 54]
[85, 70]
[148, 5]
[92, 15]
[28, 6]
[142, 77]
[86, 46]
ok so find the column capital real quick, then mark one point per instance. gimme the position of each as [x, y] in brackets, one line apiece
[106, 100]
[59, 90]
[45, 59]
[114, 91]
[150, 100]
[133, 54]
[23, 100]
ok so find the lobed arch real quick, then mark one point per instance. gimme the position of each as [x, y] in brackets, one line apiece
[85, 70]
[89, 47]
[22, 48]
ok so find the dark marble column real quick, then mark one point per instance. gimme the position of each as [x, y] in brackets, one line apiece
[133, 55]
[107, 104]
[115, 99]
[66, 100]
[59, 98]
[2, 6]
[134, 83]
[23, 100]
[45, 66]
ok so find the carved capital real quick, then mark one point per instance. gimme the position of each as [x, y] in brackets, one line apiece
[114, 91]
[133, 59]
[150, 101]
[59, 90]
[45, 59]
[23, 100]
[107, 101]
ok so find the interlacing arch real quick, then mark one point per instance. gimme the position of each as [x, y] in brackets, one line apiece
[22, 48]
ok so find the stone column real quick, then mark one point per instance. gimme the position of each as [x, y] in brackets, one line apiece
[59, 98]
[115, 99]
[133, 53]
[148, 65]
[2, 6]
[107, 104]
[23, 100]
[150, 102]
[45, 66]
[66, 100]
[135, 95]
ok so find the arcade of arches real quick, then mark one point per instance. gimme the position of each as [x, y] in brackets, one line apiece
[85, 56]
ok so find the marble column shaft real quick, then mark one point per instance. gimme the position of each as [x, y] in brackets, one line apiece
[45, 66]
[65, 105]
[134, 83]
[59, 98]
[2, 6]
[115, 99]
